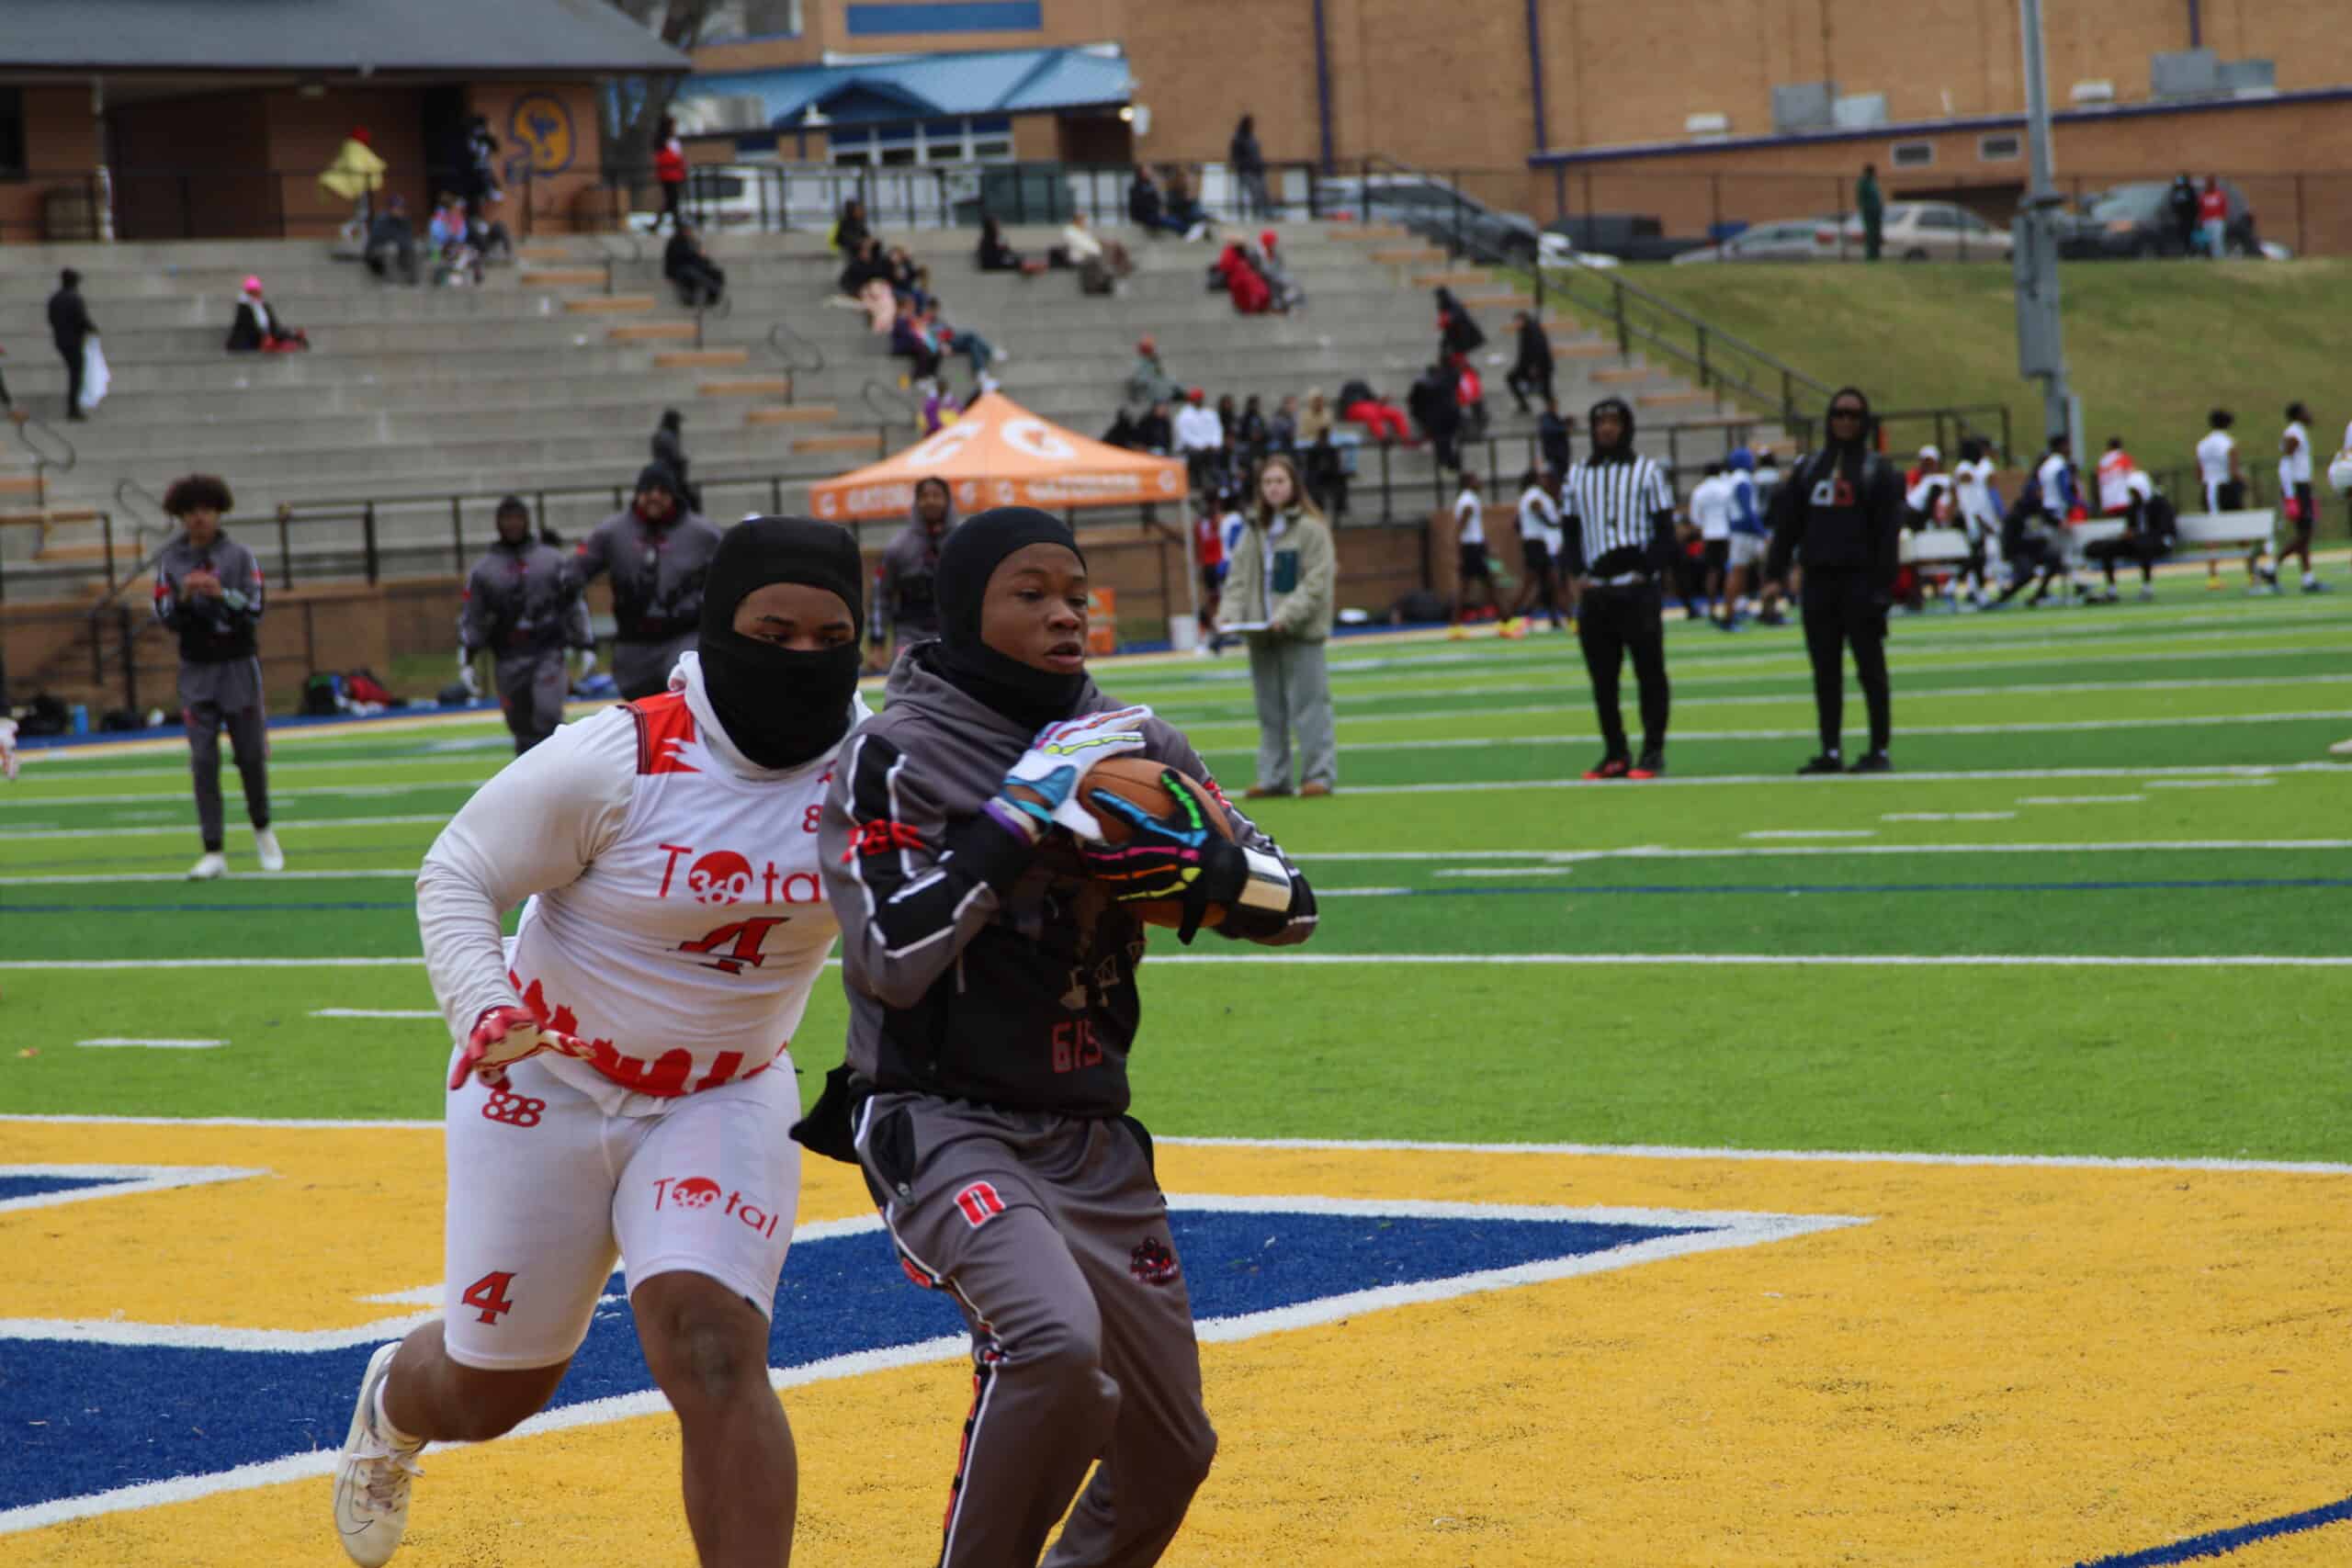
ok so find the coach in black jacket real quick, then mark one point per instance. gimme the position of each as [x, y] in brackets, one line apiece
[1841, 513]
[71, 329]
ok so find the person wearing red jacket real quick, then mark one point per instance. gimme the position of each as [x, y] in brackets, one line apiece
[669, 169]
[2213, 218]
[1243, 282]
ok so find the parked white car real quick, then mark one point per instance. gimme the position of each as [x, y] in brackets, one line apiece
[1793, 239]
[1932, 231]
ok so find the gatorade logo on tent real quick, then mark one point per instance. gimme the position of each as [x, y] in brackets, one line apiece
[1038, 439]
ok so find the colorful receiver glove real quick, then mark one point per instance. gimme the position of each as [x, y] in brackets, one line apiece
[1042, 788]
[1182, 855]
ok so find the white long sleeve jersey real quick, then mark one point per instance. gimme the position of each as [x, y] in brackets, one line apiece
[673, 916]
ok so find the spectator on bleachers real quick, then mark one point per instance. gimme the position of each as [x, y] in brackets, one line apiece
[491, 240]
[700, 281]
[258, 329]
[909, 281]
[1146, 209]
[1099, 262]
[1230, 467]
[1315, 418]
[669, 449]
[1122, 433]
[1327, 476]
[1552, 436]
[1155, 432]
[1457, 330]
[391, 243]
[482, 159]
[1288, 295]
[1281, 430]
[71, 329]
[1470, 395]
[356, 174]
[1200, 439]
[1360, 404]
[1149, 381]
[1243, 282]
[940, 409]
[669, 172]
[995, 255]
[1282, 579]
[952, 339]
[913, 339]
[1247, 163]
[866, 280]
[1185, 211]
[453, 244]
[1531, 373]
[849, 235]
[1436, 408]
[1253, 437]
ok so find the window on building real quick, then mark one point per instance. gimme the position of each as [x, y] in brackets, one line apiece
[12, 132]
[974, 139]
[1911, 154]
[752, 18]
[2002, 147]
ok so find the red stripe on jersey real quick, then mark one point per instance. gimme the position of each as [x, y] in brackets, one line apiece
[663, 723]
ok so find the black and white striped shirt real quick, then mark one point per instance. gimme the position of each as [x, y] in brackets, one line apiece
[1613, 508]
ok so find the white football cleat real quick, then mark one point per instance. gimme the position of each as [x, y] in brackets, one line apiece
[212, 864]
[371, 1479]
[266, 846]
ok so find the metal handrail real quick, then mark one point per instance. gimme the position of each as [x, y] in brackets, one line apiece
[891, 403]
[131, 497]
[618, 251]
[26, 424]
[799, 352]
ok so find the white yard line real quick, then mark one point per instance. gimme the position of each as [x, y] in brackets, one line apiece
[377, 1012]
[1782, 851]
[1947, 815]
[1859, 781]
[113, 1042]
[320, 791]
[399, 872]
[1811, 833]
[2209, 783]
[282, 824]
[2084, 799]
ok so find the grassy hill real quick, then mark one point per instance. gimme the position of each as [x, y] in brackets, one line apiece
[2152, 347]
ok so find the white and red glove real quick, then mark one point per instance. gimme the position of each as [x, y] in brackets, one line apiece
[1043, 786]
[504, 1037]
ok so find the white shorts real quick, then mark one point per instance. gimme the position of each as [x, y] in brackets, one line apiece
[545, 1190]
[1746, 549]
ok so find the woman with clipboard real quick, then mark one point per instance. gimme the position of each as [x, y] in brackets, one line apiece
[1278, 590]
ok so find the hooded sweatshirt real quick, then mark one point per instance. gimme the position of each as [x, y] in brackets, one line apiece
[1842, 507]
[658, 569]
[905, 597]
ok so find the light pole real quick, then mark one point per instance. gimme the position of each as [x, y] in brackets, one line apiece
[2041, 347]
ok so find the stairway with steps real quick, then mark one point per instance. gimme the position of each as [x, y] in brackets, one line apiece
[541, 380]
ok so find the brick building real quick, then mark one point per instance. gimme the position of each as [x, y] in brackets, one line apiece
[1556, 105]
[212, 118]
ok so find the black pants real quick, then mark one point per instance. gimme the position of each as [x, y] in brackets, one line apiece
[699, 283]
[74, 364]
[1611, 624]
[1842, 609]
[2143, 548]
[1527, 381]
[672, 192]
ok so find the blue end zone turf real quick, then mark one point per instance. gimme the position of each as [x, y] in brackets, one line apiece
[20, 1186]
[81, 1418]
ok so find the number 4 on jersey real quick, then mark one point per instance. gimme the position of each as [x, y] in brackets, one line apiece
[747, 936]
[488, 1295]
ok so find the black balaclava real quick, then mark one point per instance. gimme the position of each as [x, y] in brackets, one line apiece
[1028, 696]
[780, 706]
[657, 475]
[1624, 451]
[513, 505]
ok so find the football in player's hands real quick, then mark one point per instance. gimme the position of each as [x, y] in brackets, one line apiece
[1162, 849]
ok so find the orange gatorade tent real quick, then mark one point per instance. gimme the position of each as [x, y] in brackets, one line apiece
[999, 454]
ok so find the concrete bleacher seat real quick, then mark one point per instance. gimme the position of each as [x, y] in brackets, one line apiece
[538, 380]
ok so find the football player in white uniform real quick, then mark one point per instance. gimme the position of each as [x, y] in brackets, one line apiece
[621, 1086]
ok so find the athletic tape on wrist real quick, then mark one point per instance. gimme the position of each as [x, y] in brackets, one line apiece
[1267, 886]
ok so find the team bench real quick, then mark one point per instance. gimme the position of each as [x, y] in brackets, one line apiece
[2198, 536]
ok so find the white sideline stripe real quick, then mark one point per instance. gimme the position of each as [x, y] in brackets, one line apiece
[281, 824]
[405, 873]
[1642, 1151]
[317, 792]
[1946, 817]
[2083, 799]
[377, 1012]
[121, 1180]
[110, 1041]
[2051, 727]
[2209, 783]
[1660, 851]
[1833, 780]
[1722, 1230]
[1811, 833]
[1481, 871]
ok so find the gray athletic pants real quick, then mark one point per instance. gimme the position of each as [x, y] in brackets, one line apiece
[530, 693]
[1051, 1234]
[642, 669]
[212, 696]
[1293, 693]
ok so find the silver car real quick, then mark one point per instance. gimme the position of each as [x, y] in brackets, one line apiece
[1795, 239]
[1932, 231]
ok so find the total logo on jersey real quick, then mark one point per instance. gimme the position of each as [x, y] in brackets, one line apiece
[699, 1193]
[725, 876]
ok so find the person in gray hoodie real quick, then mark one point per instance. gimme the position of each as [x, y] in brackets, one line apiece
[906, 608]
[659, 553]
[522, 604]
[990, 966]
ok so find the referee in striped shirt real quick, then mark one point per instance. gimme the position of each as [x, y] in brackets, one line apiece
[1618, 511]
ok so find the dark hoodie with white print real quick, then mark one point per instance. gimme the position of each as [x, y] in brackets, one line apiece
[1841, 510]
[906, 599]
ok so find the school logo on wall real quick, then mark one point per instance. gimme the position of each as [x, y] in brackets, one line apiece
[542, 125]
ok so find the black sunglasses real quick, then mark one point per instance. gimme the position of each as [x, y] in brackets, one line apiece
[1846, 411]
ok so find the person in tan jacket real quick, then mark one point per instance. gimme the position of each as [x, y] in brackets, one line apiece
[1278, 594]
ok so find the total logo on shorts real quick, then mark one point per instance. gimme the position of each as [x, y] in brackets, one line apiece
[699, 1194]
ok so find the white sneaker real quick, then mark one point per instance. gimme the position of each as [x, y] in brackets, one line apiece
[371, 1479]
[213, 865]
[266, 847]
[2341, 749]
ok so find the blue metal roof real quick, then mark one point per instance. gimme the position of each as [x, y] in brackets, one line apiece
[1006, 81]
